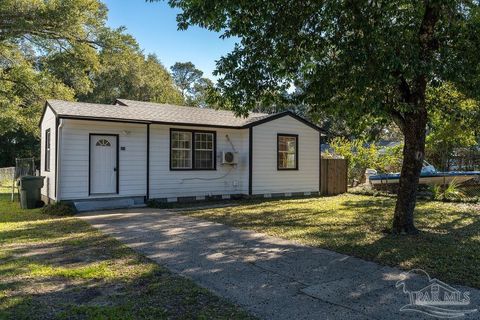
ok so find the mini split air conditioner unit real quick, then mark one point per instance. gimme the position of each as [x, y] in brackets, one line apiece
[229, 157]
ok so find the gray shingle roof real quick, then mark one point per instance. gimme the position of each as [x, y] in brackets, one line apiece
[149, 112]
[152, 112]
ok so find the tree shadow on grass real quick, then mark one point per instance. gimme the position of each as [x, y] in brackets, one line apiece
[157, 294]
[68, 270]
[449, 251]
[448, 246]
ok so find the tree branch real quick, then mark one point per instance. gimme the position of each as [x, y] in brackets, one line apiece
[427, 41]
[398, 119]
[403, 86]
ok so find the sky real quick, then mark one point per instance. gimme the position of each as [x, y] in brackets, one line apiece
[155, 28]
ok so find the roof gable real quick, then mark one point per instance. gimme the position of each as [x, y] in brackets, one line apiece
[279, 115]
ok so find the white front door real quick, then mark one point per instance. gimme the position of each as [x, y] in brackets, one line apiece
[103, 164]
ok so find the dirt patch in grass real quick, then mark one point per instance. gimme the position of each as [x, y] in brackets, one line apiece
[61, 268]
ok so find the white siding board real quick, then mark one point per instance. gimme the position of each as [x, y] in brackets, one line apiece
[48, 122]
[74, 157]
[266, 178]
[165, 183]
[225, 180]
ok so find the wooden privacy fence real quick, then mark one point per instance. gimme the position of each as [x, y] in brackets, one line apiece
[334, 178]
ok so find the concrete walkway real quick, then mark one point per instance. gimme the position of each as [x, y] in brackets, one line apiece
[269, 277]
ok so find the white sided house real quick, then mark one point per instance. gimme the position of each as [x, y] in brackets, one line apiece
[133, 151]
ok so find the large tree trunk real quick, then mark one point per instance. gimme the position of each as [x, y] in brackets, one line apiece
[413, 155]
[414, 123]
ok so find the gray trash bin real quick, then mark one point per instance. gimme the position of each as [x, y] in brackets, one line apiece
[30, 187]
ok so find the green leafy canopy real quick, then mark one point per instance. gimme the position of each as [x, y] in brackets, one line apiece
[62, 49]
[345, 55]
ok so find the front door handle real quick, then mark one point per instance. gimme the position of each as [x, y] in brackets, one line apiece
[115, 169]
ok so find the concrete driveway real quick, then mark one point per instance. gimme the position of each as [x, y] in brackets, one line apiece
[269, 277]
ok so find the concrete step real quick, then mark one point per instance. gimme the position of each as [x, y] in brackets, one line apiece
[106, 204]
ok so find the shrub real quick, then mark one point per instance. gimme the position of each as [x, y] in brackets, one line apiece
[360, 155]
[452, 192]
[154, 203]
[59, 209]
[437, 192]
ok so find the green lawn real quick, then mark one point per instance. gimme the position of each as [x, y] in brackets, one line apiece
[61, 268]
[448, 247]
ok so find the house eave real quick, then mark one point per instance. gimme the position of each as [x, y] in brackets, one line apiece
[182, 124]
[45, 107]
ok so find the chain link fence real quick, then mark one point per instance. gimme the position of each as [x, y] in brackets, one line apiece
[452, 175]
[23, 167]
[7, 177]
[459, 172]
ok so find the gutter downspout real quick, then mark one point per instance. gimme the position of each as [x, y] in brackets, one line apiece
[57, 161]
